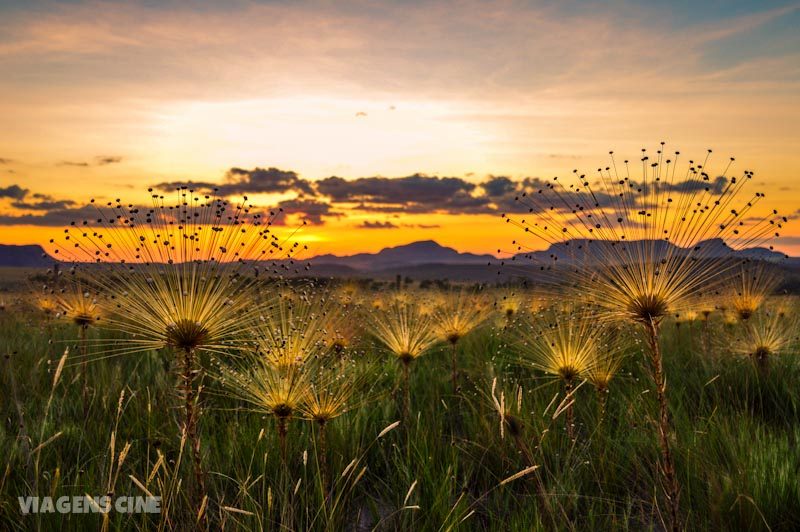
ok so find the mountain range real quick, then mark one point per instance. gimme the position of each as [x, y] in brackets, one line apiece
[429, 260]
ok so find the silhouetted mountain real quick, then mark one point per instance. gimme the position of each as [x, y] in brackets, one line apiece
[430, 260]
[414, 254]
[32, 256]
[596, 251]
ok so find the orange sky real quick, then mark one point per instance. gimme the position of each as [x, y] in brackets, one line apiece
[103, 100]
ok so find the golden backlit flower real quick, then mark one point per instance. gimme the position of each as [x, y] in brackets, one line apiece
[404, 331]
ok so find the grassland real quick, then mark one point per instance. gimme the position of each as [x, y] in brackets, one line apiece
[451, 468]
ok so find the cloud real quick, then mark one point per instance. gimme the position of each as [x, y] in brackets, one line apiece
[366, 224]
[417, 188]
[43, 205]
[717, 186]
[4, 160]
[53, 218]
[170, 186]
[414, 194]
[269, 180]
[13, 191]
[100, 160]
[310, 210]
[240, 181]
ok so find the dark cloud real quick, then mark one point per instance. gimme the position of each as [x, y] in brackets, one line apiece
[505, 195]
[310, 210]
[73, 163]
[103, 160]
[377, 225]
[499, 186]
[269, 180]
[170, 186]
[717, 186]
[48, 205]
[414, 194]
[13, 191]
[240, 182]
[52, 218]
[417, 189]
[4, 160]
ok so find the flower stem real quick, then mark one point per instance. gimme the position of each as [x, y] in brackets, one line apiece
[322, 452]
[190, 422]
[82, 330]
[671, 487]
[453, 354]
[570, 410]
[283, 430]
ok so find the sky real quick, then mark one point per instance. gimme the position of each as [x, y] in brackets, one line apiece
[382, 123]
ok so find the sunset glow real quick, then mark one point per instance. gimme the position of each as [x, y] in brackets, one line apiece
[103, 100]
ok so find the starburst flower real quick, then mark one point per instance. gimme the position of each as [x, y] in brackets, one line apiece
[459, 314]
[562, 345]
[603, 369]
[179, 276]
[292, 332]
[764, 336]
[331, 394]
[508, 303]
[407, 335]
[279, 392]
[404, 331]
[45, 301]
[750, 288]
[343, 329]
[643, 248]
[566, 345]
[77, 305]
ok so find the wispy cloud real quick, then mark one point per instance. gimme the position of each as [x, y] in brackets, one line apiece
[366, 224]
[100, 160]
[104, 160]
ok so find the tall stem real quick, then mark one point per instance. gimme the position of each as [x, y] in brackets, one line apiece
[282, 432]
[82, 329]
[323, 460]
[456, 412]
[570, 410]
[406, 391]
[762, 362]
[407, 405]
[453, 354]
[671, 487]
[190, 421]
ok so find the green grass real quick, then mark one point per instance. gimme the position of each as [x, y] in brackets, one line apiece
[736, 435]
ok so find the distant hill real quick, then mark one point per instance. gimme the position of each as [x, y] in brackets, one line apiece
[429, 260]
[589, 251]
[32, 256]
[414, 254]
